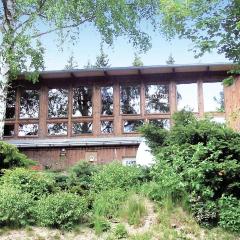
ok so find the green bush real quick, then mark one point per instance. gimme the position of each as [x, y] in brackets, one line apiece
[60, 210]
[115, 175]
[101, 224]
[199, 158]
[35, 182]
[15, 207]
[120, 231]
[11, 157]
[107, 203]
[230, 213]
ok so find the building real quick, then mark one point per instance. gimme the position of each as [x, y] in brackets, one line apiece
[93, 114]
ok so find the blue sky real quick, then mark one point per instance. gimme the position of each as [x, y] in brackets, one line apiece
[121, 54]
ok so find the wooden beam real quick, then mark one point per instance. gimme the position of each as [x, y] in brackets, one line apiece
[70, 108]
[200, 98]
[96, 100]
[43, 112]
[116, 109]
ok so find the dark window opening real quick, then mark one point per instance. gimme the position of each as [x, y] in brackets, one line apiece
[10, 104]
[107, 100]
[8, 130]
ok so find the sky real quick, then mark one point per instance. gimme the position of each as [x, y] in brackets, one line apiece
[121, 54]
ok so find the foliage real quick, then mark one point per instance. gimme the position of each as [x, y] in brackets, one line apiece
[137, 61]
[115, 175]
[230, 213]
[60, 210]
[102, 60]
[120, 231]
[15, 207]
[11, 157]
[101, 224]
[198, 157]
[134, 210]
[36, 183]
[107, 203]
[170, 59]
[71, 63]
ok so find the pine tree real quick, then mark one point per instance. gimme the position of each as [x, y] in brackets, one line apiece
[170, 60]
[137, 62]
[88, 65]
[102, 60]
[71, 63]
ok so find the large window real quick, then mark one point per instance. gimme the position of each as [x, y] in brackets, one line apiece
[130, 99]
[29, 104]
[28, 130]
[106, 127]
[8, 130]
[57, 103]
[213, 96]
[82, 101]
[160, 123]
[130, 126]
[107, 100]
[187, 97]
[157, 98]
[82, 128]
[10, 104]
[57, 129]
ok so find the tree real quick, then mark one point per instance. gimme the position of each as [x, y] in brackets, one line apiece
[71, 63]
[170, 60]
[137, 62]
[88, 65]
[208, 24]
[24, 22]
[102, 60]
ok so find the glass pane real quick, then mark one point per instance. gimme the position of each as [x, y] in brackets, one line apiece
[57, 103]
[29, 104]
[187, 97]
[131, 125]
[28, 130]
[57, 129]
[8, 130]
[130, 99]
[107, 100]
[82, 128]
[82, 101]
[10, 104]
[157, 98]
[161, 123]
[213, 97]
[106, 126]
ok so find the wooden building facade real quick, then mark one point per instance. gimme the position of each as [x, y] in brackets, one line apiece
[93, 114]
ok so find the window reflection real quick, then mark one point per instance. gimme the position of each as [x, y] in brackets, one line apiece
[28, 130]
[157, 98]
[57, 128]
[57, 103]
[8, 130]
[131, 125]
[107, 100]
[213, 96]
[187, 97]
[130, 99]
[82, 101]
[82, 128]
[160, 123]
[106, 126]
[10, 104]
[29, 104]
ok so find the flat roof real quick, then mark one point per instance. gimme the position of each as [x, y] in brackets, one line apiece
[120, 71]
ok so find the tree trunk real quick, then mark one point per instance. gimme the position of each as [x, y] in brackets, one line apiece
[3, 95]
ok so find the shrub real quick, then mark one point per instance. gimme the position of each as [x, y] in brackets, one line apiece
[60, 210]
[107, 203]
[101, 224]
[34, 182]
[15, 207]
[230, 213]
[134, 210]
[115, 175]
[11, 157]
[120, 231]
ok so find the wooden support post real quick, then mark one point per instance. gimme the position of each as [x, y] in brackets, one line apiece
[200, 99]
[116, 109]
[96, 98]
[142, 99]
[172, 98]
[43, 112]
[70, 108]
[17, 112]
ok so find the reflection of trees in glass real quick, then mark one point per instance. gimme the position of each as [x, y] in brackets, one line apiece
[130, 99]
[161, 123]
[8, 130]
[57, 129]
[106, 126]
[29, 104]
[107, 100]
[10, 104]
[28, 130]
[82, 128]
[220, 101]
[57, 102]
[157, 98]
[131, 125]
[82, 101]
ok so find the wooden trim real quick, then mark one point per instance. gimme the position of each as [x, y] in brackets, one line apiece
[17, 112]
[200, 98]
[96, 101]
[70, 109]
[116, 109]
[142, 99]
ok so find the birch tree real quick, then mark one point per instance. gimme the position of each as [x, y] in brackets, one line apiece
[24, 22]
